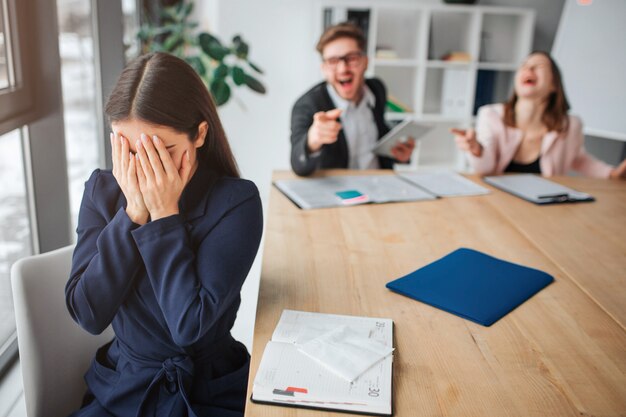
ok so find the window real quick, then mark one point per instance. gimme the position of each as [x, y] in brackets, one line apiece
[34, 146]
[76, 47]
[132, 46]
[4, 58]
[32, 160]
[16, 102]
[15, 232]
[83, 138]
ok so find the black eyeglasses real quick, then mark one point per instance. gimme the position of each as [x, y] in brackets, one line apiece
[351, 60]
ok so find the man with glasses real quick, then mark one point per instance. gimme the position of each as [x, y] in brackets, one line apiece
[337, 122]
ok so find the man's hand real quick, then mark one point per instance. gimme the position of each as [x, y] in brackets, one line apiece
[324, 129]
[402, 150]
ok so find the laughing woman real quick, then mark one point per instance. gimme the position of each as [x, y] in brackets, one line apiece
[532, 132]
[165, 241]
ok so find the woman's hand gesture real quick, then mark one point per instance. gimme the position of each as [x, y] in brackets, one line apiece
[466, 141]
[125, 172]
[161, 184]
[619, 172]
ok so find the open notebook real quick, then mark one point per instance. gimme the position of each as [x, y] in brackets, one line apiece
[288, 377]
[337, 191]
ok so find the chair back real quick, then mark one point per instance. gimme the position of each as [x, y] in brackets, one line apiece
[54, 351]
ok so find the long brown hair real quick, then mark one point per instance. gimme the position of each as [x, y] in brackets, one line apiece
[164, 90]
[555, 114]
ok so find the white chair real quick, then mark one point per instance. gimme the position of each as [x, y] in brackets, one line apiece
[54, 351]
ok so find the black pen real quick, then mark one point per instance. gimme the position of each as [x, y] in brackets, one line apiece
[561, 196]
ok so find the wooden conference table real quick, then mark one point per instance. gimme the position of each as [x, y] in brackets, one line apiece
[562, 353]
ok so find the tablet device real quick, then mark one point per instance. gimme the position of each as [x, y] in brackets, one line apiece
[400, 133]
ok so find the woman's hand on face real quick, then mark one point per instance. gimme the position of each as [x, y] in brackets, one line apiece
[125, 172]
[466, 141]
[161, 184]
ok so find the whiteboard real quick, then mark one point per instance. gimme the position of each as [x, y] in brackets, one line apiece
[590, 49]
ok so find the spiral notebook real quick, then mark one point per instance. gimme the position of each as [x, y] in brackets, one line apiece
[288, 377]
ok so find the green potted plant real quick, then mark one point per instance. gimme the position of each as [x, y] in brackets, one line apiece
[220, 66]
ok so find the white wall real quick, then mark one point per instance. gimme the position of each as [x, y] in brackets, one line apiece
[279, 33]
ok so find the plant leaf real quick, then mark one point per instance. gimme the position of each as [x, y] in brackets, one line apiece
[212, 47]
[187, 9]
[218, 52]
[220, 72]
[207, 38]
[170, 13]
[255, 67]
[197, 65]
[172, 42]
[239, 76]
[144, 33]
[220, 91]
[241, 50]
[254, 84]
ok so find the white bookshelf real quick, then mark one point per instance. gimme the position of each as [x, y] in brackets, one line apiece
[407, 43]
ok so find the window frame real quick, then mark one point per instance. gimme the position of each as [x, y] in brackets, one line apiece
[41, 125]
[17, 104]
[37, 63]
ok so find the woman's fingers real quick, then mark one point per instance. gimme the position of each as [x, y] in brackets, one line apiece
[153, 157]
[132, 168]
[461, 142]
[465, 139]
[469, 134]
[460, 132]
[124, 154]
[144, 161]
[164, 156]
[141, 176]
[111, 137]
[113, 154]
[185, 168]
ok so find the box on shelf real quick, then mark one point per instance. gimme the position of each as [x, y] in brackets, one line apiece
[453, 93]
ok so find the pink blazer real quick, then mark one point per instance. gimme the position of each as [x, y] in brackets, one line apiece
[559, 153]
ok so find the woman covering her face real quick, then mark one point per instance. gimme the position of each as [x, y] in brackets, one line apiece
[165, 241]
[532, 132]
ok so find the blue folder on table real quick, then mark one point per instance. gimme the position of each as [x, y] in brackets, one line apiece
[472, 285]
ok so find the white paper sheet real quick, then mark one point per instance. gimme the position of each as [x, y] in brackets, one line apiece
[288, 376]
[444, 183]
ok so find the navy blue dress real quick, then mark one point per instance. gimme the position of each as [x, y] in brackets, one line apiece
[171, 290]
